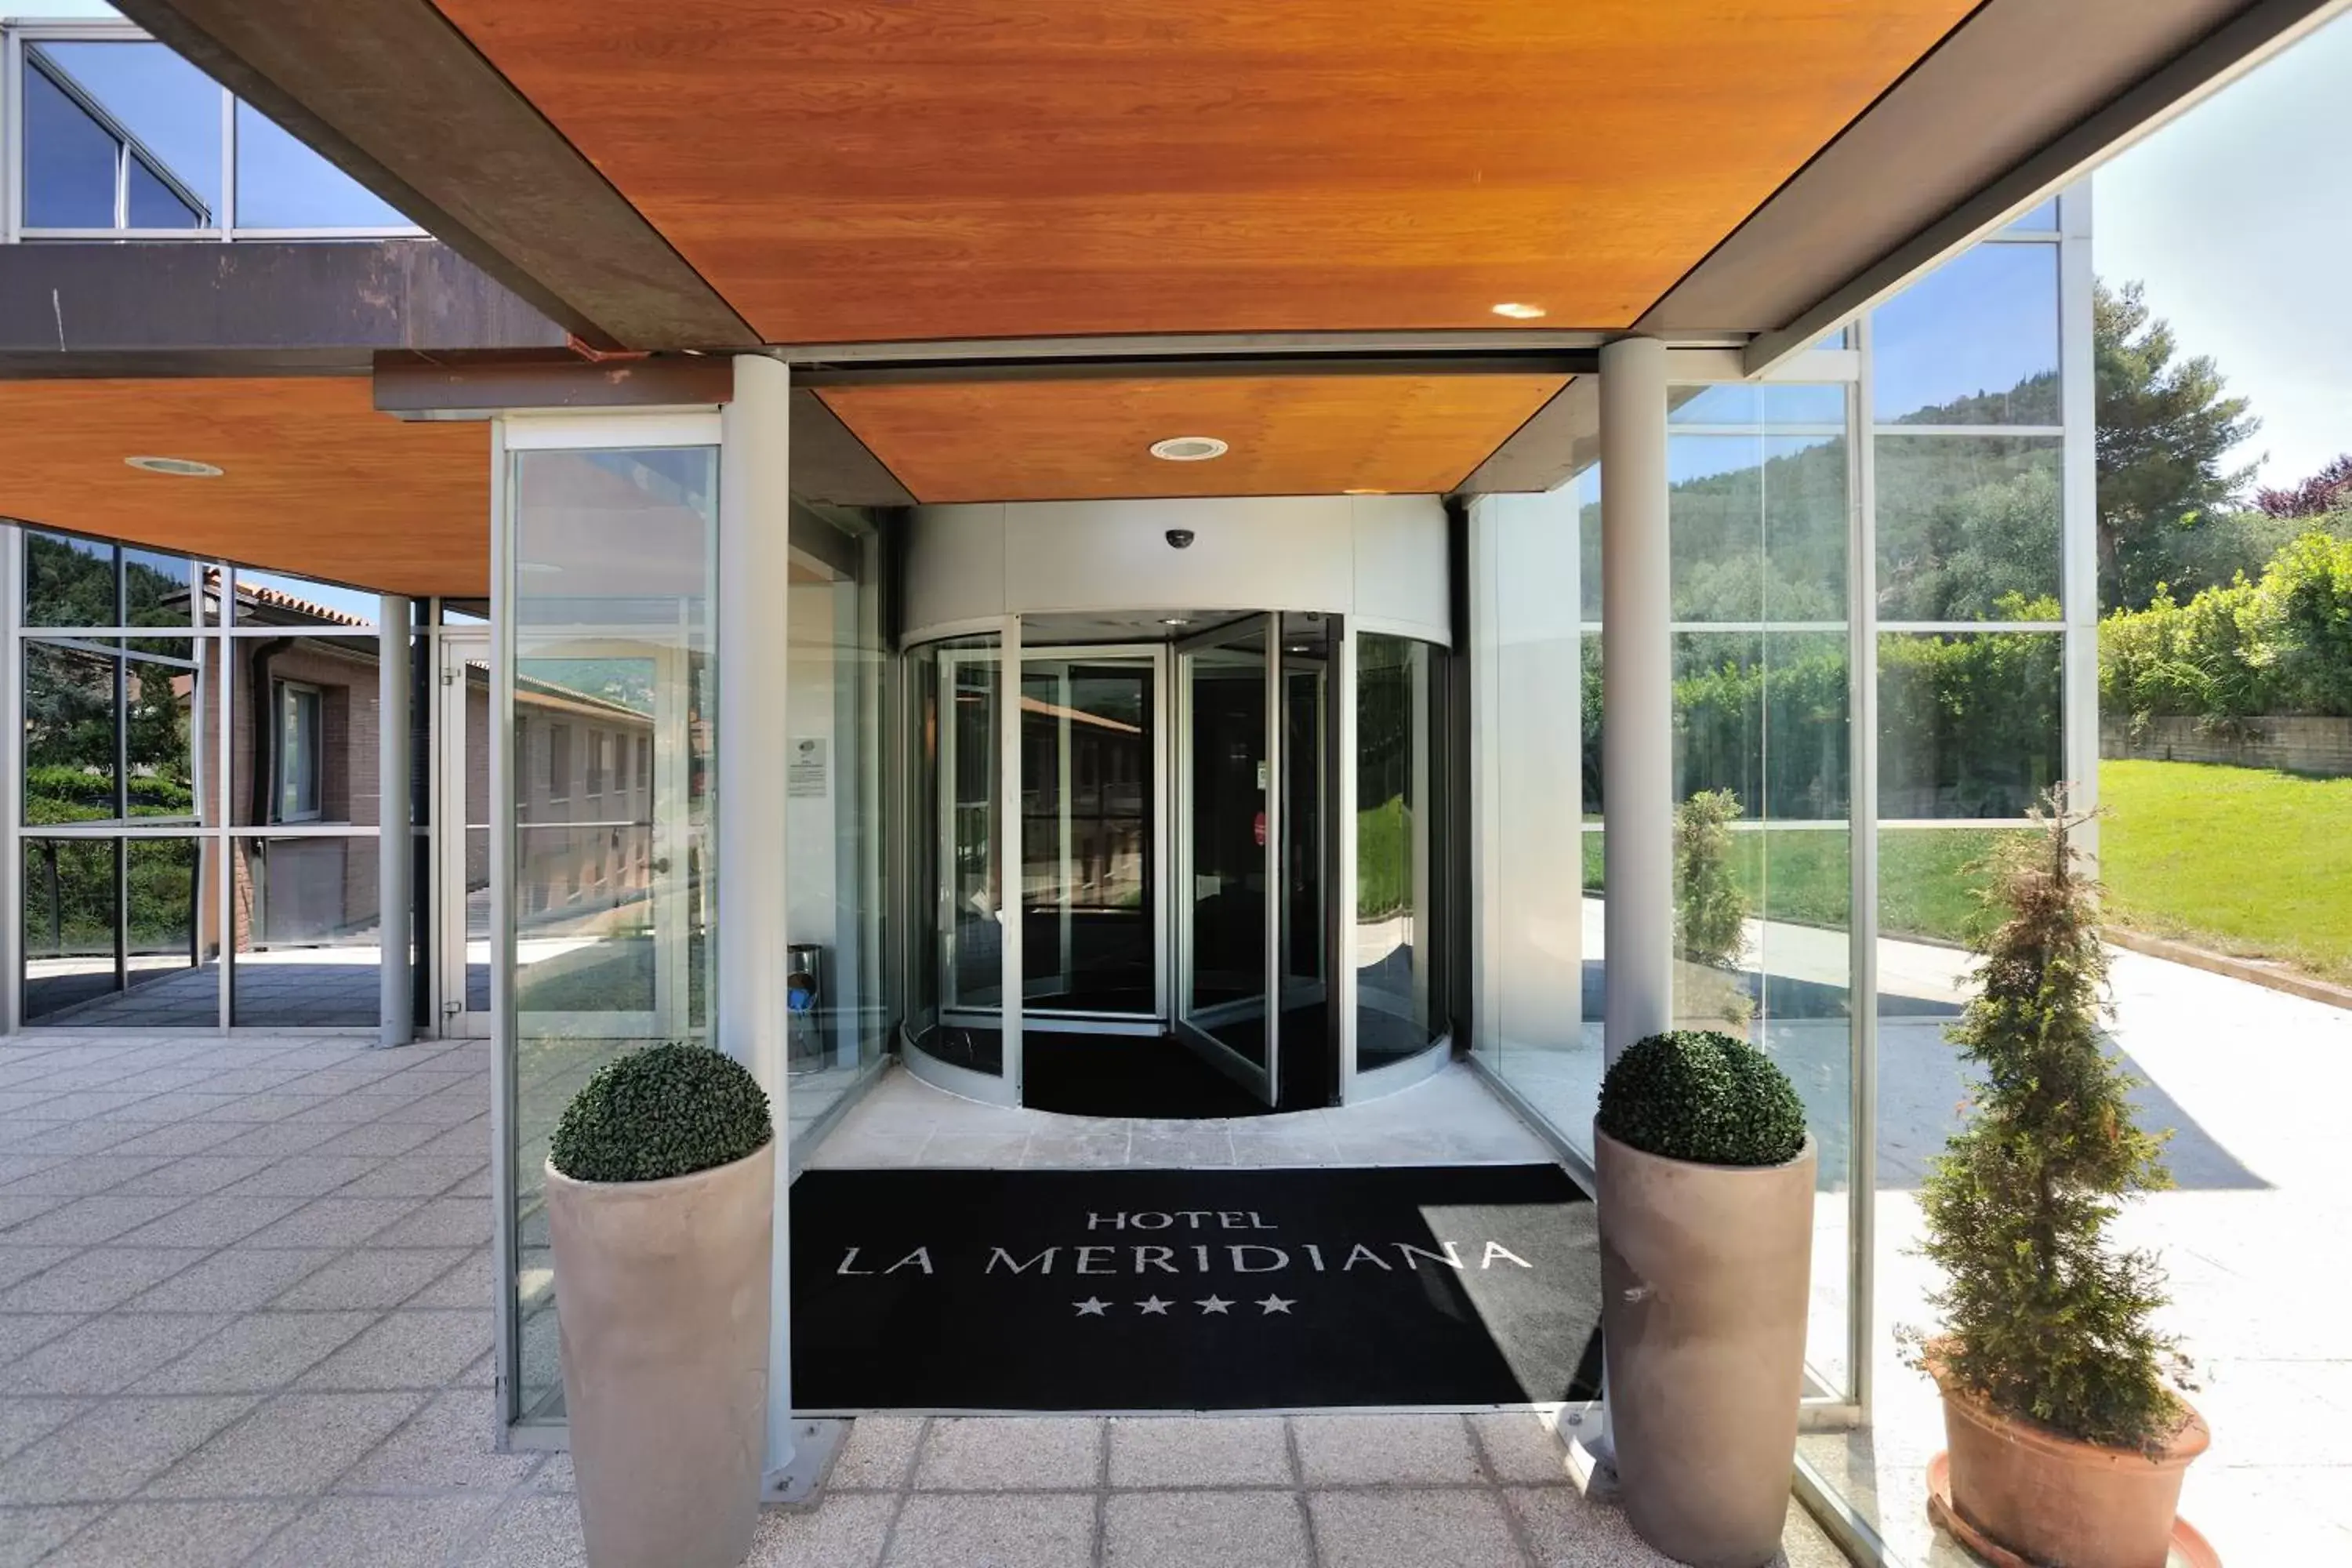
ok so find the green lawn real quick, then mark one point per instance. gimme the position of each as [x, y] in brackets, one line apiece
[1925, 877]
[2241, 859]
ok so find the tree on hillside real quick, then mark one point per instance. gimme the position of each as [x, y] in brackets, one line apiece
[2164, 430]
[2330, 489]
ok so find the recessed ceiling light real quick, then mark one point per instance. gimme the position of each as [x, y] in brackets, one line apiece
[1517, 312]
[1176, 621]
[182, 468]
[1188, 448]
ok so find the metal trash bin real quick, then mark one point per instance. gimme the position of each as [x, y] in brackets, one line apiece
[804, 990]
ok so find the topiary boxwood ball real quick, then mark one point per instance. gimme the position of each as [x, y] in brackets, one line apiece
[666, 1111]
[1703, 1097]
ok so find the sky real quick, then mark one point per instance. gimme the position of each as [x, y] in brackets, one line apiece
[2238, 216]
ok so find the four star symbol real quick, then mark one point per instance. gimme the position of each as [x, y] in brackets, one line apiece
[1153, 1307]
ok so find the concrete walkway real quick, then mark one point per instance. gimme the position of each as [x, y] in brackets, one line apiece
[245, 1319]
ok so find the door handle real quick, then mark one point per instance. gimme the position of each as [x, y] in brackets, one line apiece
[661, 863]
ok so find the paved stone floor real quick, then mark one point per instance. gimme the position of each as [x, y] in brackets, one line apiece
[1450, 1118]
[245, 1318]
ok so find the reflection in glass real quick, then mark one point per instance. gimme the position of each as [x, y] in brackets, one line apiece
[613, 595]
[1969, 527]
[68, 582]
[1399, 1008]
[68, 929]
[308, 932]
[119, 134]
[159, 704]
[1758, 526]
[72, 760]
[1968, 724]
[1973, 342]
[1088, 877]
[155, 588]
[168, 927]
[281, 183]
[1763, 714]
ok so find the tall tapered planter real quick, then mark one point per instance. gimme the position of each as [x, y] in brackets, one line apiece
[661, 1200]
[1706, 1274]
[662, 1307]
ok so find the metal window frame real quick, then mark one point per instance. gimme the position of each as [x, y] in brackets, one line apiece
[223, 228]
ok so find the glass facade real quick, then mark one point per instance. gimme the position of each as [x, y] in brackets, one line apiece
[198, 780]
[119, 135]
[1873, 651]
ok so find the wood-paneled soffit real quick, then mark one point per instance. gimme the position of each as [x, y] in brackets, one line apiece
[863, 170]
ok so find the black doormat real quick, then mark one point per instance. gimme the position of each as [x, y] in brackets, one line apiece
[1461, 1285]
[1127, 1074]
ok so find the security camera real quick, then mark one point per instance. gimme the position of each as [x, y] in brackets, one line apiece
[1180, 539]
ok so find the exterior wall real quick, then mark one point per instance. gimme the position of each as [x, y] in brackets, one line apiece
[1379, 558]
[2296, 743]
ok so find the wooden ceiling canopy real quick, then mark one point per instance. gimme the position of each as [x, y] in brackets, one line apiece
[1083, 439]
[866, 170]
[313, 482]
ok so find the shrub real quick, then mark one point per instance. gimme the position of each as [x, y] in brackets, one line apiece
[2043, 1319]
[1711, 908]
[1694, 1094]
[666, 1111]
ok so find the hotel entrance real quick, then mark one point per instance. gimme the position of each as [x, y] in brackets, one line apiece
[1187, 862]
[1174, 865]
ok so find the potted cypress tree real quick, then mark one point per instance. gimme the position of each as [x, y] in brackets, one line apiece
[660, 1203]
[2067, 1436]
[1706, 1179]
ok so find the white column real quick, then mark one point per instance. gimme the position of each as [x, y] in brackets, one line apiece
[395, 854]
[1637, 694]
[754, 1016]
[2079, 509]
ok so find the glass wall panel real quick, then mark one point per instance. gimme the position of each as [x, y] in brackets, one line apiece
[1969, 527]
[1399, 838]
[1973, 342]
[72, 735]
[613, 597]
[171, 936]
[157, 589]
[1968, 724]
[281, 183]
[71, 891]
[833, 809]
[1759, 525]
[119, 133]
[1538, 908]
[68, 582]
[308, 932]
[958, 958]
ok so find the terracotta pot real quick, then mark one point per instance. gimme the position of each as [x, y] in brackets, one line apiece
[2060, 1502]
[1705, 1276]
[662, 1297]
